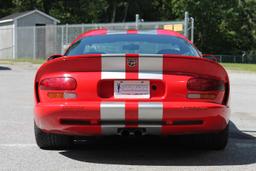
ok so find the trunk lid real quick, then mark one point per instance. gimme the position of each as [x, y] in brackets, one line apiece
[96, 74]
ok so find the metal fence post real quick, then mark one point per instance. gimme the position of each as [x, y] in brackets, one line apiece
[82, 28]
[66, 34]
[243, 55]
[62, 39]
[192, 29]
[137, 18]
[186, 24]
[34, 42]
[13, 41]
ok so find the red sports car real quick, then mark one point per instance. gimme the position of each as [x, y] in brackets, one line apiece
[132, 82]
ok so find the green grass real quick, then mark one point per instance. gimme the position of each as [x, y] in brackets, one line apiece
[240, 67]
[13, 61]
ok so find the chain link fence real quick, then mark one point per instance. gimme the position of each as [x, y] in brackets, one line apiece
[39, 42]
[233, 58]
[6, 41]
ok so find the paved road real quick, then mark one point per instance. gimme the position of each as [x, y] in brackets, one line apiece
[19, 152]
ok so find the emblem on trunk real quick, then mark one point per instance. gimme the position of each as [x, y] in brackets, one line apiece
[131, 62]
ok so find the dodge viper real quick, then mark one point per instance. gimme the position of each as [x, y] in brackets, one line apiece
[131, 83]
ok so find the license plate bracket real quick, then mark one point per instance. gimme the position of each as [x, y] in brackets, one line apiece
[132, 89]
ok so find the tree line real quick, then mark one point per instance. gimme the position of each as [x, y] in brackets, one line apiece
[221, 26]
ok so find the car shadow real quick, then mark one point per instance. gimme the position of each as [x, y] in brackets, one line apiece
[152, 151]
[4, 68]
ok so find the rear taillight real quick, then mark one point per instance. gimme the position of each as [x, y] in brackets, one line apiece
[58, 83]
[205, 84]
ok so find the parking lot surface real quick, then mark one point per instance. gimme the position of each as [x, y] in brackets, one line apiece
[18, 150]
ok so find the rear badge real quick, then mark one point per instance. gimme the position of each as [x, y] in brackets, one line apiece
[131, 62]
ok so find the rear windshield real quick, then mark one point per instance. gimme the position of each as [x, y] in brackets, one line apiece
[132, 43]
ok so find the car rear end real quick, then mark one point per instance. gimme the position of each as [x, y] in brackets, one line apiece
[131, 94]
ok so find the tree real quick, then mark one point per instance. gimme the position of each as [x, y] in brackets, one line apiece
[6, 8]
[220, 26]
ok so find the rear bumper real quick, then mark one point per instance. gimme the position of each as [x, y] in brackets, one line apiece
[157, 118]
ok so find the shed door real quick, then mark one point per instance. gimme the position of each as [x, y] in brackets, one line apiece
[40, 41]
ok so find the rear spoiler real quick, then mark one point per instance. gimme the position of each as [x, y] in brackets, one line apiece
[172, 64]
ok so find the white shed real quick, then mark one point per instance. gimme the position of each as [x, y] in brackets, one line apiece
[17, 33]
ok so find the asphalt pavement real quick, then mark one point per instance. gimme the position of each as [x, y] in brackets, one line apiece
[18, 150]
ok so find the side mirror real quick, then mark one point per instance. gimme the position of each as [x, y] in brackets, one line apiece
[211, 57]
[54, 56]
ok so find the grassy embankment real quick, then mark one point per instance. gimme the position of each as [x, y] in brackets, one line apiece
[240, 67]
[8, 61]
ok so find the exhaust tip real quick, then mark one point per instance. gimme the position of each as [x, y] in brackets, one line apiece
[131, 132]
[124, 133]
[138, 133]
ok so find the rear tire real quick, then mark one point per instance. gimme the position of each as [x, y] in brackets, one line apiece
[213, 141]
[52, 141]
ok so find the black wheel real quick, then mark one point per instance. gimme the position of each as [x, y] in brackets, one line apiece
[52, 141]
[213, 141]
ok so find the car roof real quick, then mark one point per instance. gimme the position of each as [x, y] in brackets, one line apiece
[97, 32]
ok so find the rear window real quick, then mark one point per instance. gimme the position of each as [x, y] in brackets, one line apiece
[132, 43]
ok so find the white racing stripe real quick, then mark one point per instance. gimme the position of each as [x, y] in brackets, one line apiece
[151, 111]
[151, 67]
[112, 67]
[111, 111]
[113, 75]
